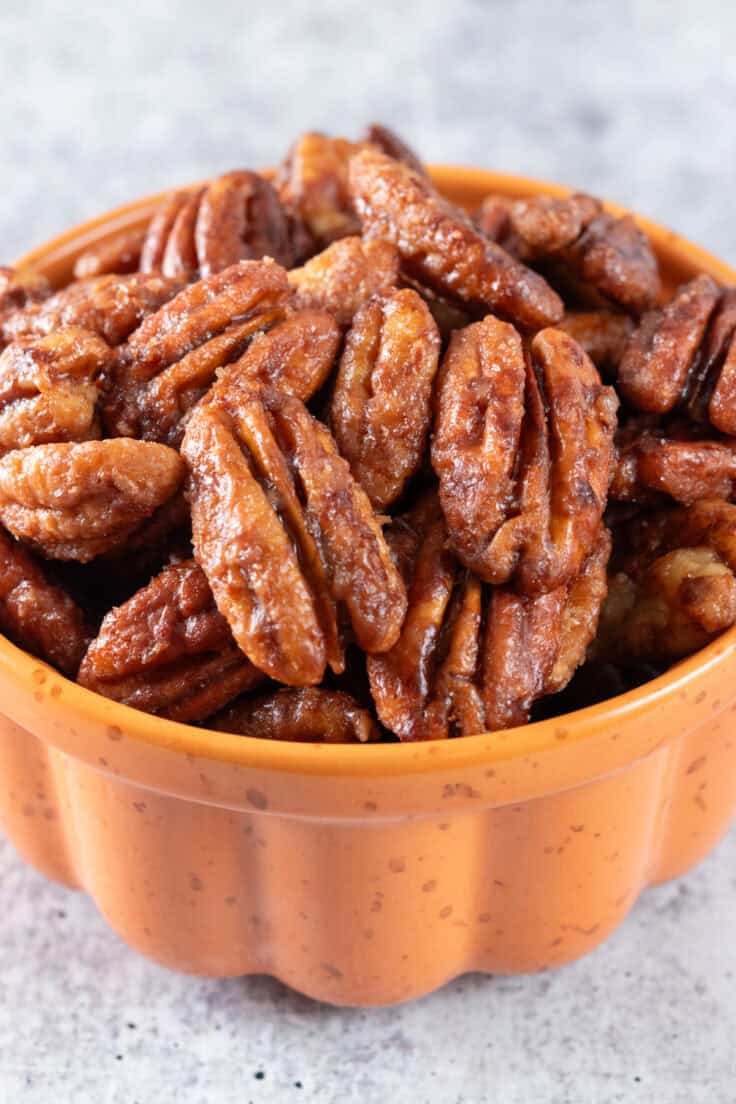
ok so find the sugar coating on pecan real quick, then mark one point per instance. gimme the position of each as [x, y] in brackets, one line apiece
[523, 449]
[306, 714]
[470, 657]
[119, 254]
[109, 306]
[37, 614]
[296, 356]
[286, 537]
[172, 358]
[603, 334]
[344, 276]
[49, 388]
[74, 501]
[381, 405]
[440, 247]
[168, 650]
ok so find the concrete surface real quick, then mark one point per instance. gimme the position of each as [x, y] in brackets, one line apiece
[635, 101]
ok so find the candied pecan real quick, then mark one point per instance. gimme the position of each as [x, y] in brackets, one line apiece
[440, 247]
[36, 614]
[313, 183]
[380, 412]
[524, 453]
[286, 536]
[603, 334]
[575, 238]
[472, 657]
[307, 714]
[171, 359]
[75, 501]
[344, 276]
[653, 463]
[19, 288]
[676, 585]
[493, 217]
[241, 218]
[120, 254]
[296, 356]
[49, 388]
[109, 306]
[159, 231]
[376, 134]
[168, 651]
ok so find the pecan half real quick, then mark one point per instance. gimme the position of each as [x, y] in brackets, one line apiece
[295, 356]
[390, 143]
[344, 276]
[172, 358]
[109, 306]
[313, 183]
[381, 406]
[439, 246]
[241, 218]
[603, 334]
[120, 254]
[471, 657]
[49, 388]
[524, 454]
[576, 238]
[675, 589]
[168, 651]
[75, 501]
[651, 463]
[36, 614]
[306, 715]
[19, 288]
[286, 536]
[684, 355]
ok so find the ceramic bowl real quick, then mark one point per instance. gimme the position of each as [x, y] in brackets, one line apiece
[369, 875]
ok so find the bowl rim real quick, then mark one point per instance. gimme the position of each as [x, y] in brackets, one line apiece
[371, 760]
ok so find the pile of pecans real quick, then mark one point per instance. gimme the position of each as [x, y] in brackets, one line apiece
[327, 458]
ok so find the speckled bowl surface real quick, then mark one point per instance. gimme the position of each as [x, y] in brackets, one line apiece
[367, 875]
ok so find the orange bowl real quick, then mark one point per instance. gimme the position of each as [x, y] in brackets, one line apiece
[368, 875]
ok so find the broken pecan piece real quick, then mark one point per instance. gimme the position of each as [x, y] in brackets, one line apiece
[344, 276]
[471, 658]
[76, 501]
[439, 246]
[308, 715]
[286, 536]
[120, 254]
[168, 651]
[172, 358]
[675, 587]
[109, 306]
[381, 406]
[524, 453]
[49, 388]
[36, 614]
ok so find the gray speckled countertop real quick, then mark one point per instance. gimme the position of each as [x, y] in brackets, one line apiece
[635, 101]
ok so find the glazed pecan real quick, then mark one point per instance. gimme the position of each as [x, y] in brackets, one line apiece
[389, 142]
[296, 356]
[76, 501]
[439, 246]
[109, 306]
[120, 254]
[676, 585]
[344, 276]
[168, 651]
[19, 288]
[603, 334]
[684, 355]
[49, 388]
[313, 183]
[172, 358]
[524, 452]
[306, 714]
[380, 412]
[574, 238]
[471, 657]
[36, 614]
[652, 462]
[286, 537]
